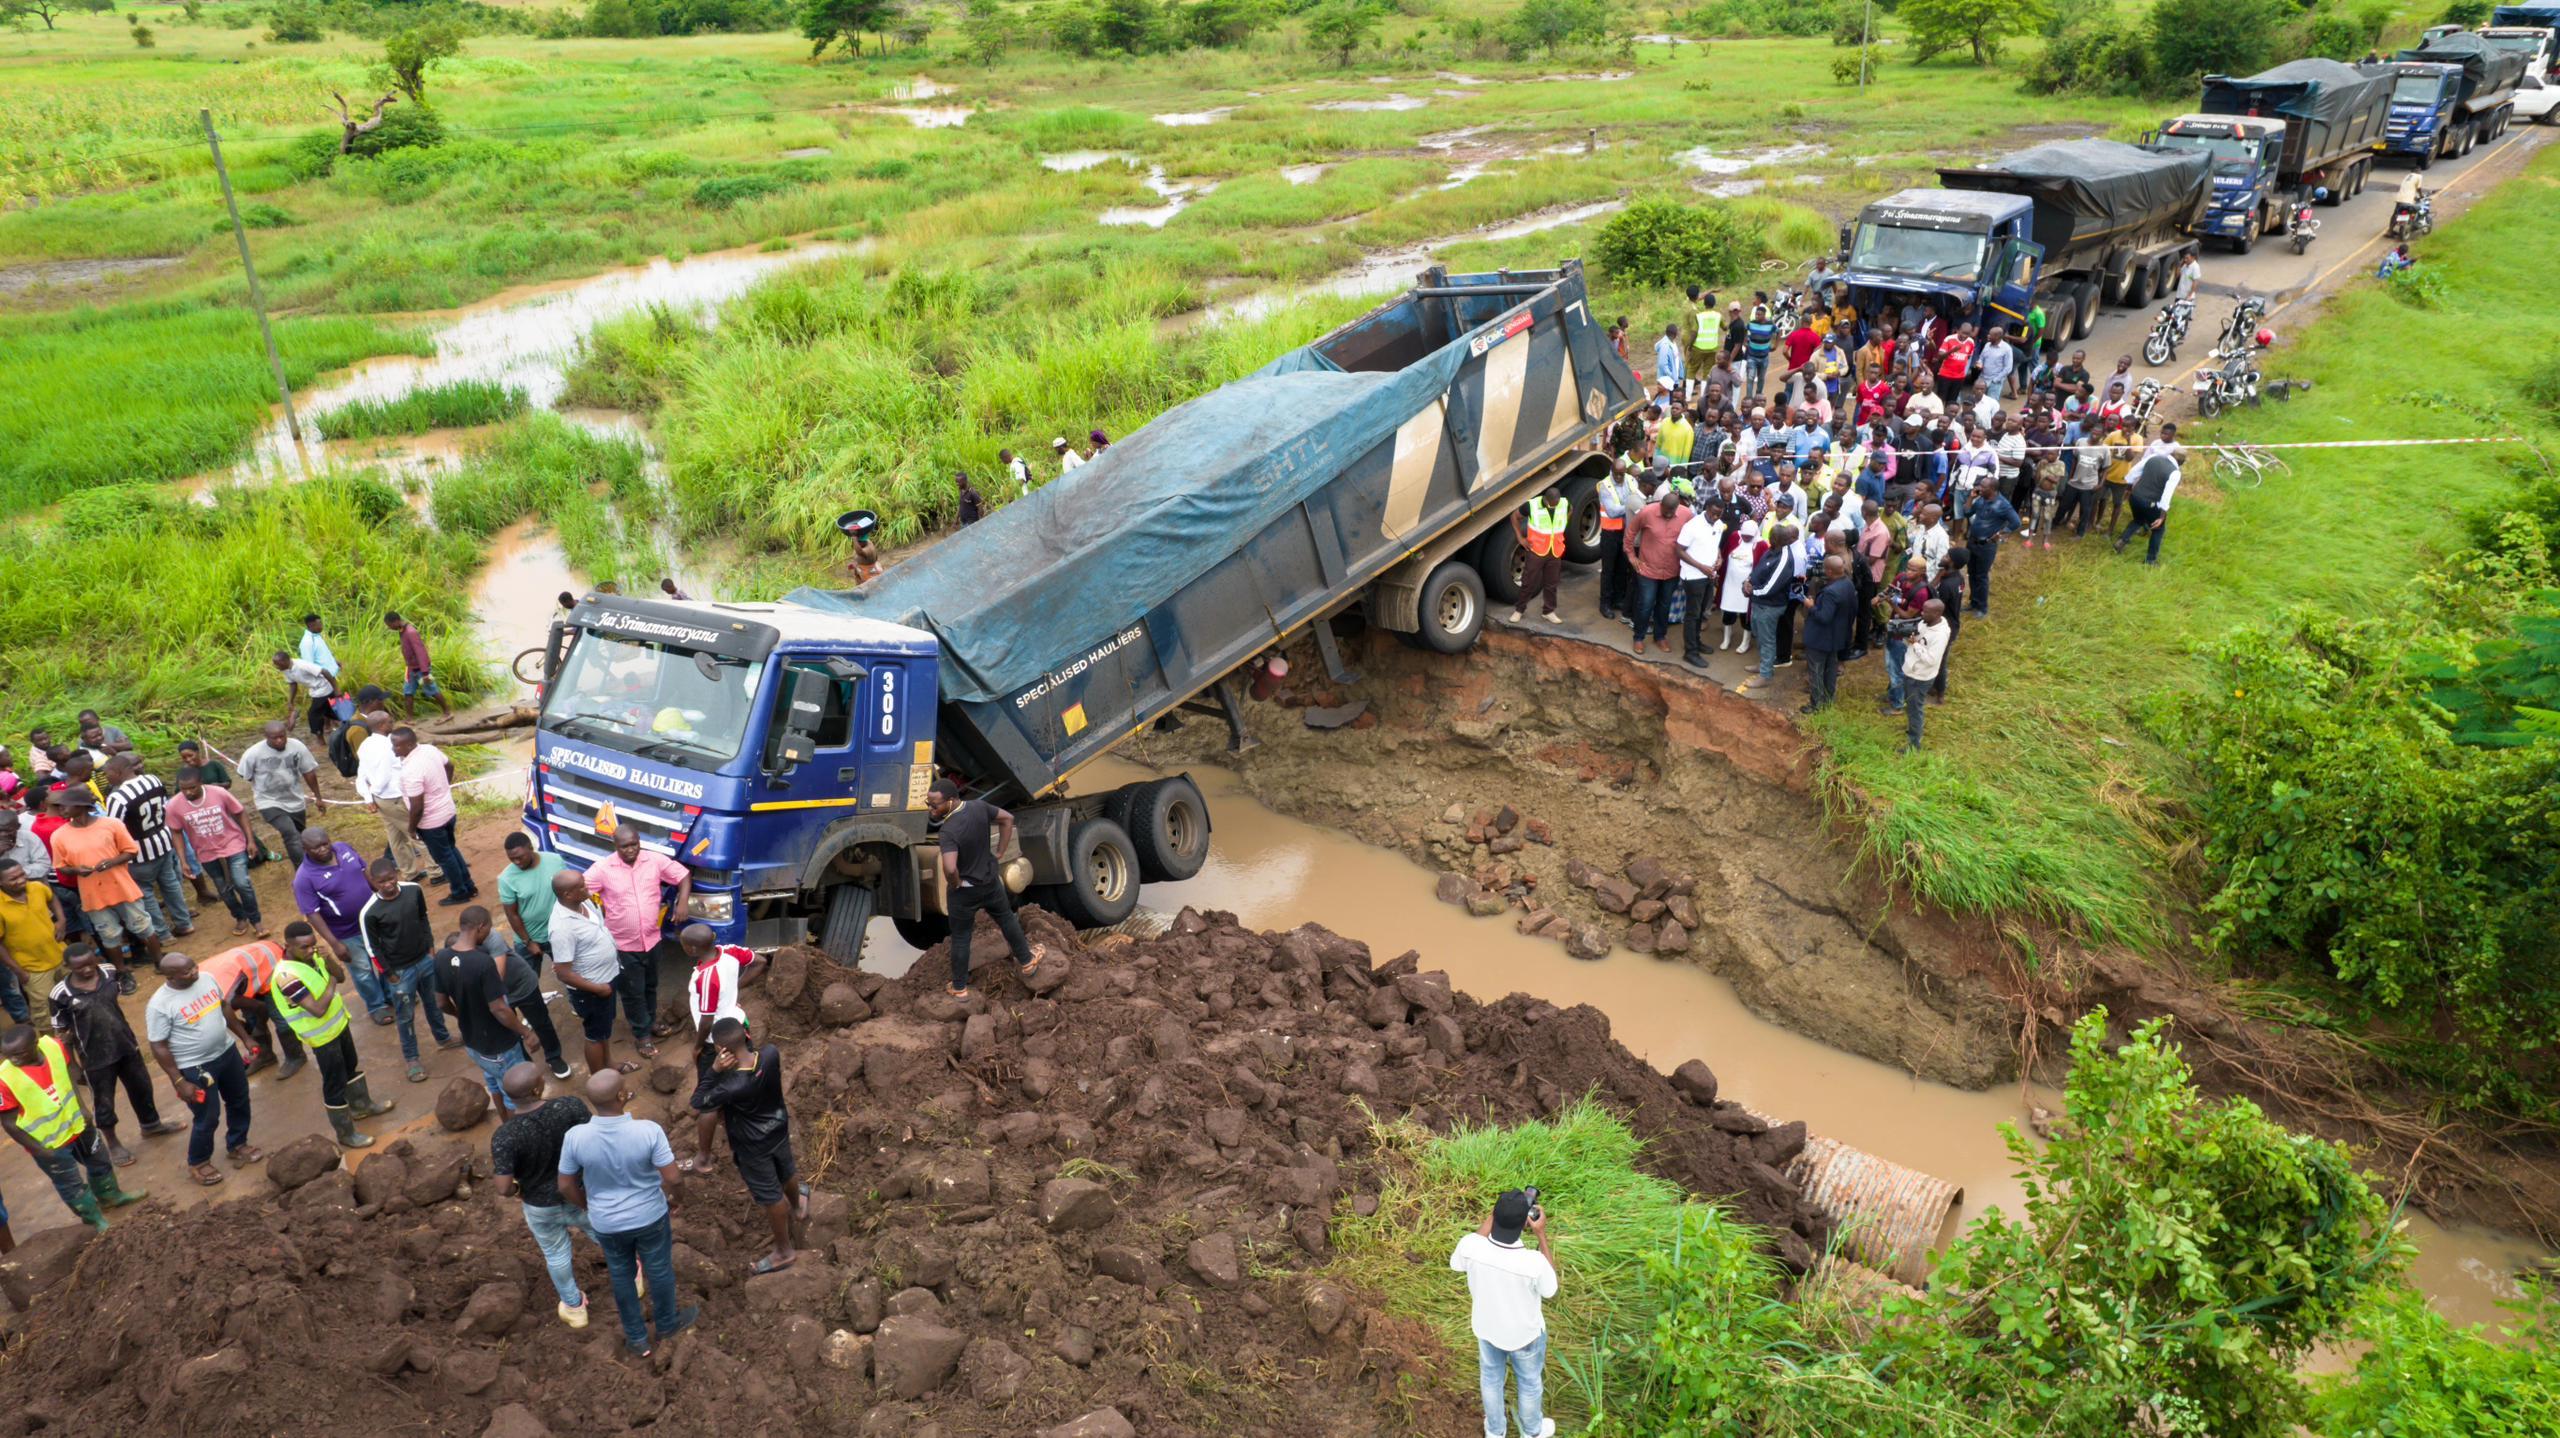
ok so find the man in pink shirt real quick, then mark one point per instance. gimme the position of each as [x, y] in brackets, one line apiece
[629, 885]
[426, 783]
[211, 820]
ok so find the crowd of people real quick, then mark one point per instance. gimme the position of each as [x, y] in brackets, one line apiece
[1807, 481]
[100, 859]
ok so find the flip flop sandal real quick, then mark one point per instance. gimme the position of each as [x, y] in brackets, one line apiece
[417, 1073]
[626, 1067]
[647, 1051]
[767, 1265]
[957, 993]
[205, 1173]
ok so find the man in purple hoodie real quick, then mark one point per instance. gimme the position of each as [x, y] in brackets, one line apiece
[331, 889]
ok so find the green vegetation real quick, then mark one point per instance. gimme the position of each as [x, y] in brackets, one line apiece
[2055, 784]
[594, 492]
[2420, 1374]
[443, 406]
[1668, 244]
[2175, 1262]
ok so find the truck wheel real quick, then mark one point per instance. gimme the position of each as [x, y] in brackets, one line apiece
[2084, 305]
[1102, 876]
[1502, 564]
[1452, 608]
[1168, 822]
[2138, 286]
[1585, 540]
[849, 911]
[2241, 242]
[924, 931]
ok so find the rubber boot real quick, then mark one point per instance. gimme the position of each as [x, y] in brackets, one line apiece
[111, 1194]
[86, 1207]
[342, 1120]
[360, 1099]
[293, 1063]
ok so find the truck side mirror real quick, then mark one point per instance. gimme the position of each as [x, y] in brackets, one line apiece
[804, 712]
[1844, 241]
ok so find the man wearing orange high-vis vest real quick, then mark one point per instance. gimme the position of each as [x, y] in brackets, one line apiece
[42, 1111]
[1540, 527]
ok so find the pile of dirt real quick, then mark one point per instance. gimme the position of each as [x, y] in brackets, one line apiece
[1091, 1209]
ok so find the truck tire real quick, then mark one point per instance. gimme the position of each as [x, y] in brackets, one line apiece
[1502, 564]
[924, 931]
[2137, 287]
[849, 911]
[1168, 823]
[1102, 876]
[1453, 608]
[2248, 236]
[1584, 542]
[2084, 309]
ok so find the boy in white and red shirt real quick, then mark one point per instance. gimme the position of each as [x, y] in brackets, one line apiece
[711, 994]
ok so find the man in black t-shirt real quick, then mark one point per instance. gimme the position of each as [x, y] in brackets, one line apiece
[745, 1088]
[472, 988]
[524, 1154]
[974, 833]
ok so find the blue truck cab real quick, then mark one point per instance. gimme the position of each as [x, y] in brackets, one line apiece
[2422, 98]
[1969, 254]
[2246, 153]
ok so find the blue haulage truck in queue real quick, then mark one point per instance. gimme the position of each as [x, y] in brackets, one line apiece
[2448, 95]
[2276, 137]
[2067, 226]
[783, 751]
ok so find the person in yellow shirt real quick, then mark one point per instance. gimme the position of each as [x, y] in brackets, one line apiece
[32, 928]
[1678, 437]
[2123, 441]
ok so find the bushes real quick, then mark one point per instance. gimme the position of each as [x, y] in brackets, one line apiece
[295, 22]
[2098, 53]
[2190, 38]
[721, 192]
[594, 492]
[1660, 242]
[1739, 19]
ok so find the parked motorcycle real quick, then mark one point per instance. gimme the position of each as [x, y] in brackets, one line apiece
[2410, 221]
[2240, 331]
[2302, 229]
[2234, 382]
[2168, 331]
[2146, 398]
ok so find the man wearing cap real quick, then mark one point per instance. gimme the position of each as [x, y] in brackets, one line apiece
[1507, 1281]
[1068, 460]
[974, 835]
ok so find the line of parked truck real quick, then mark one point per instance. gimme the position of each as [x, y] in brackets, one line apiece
[2071, 226]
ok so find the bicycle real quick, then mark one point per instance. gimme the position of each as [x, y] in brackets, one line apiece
[2243, 466]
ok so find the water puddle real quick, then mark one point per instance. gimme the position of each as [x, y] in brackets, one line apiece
[1397, 101]
[42, 276]
[1075, 162]
[1454, 78]
[806, 152]
[1664, 40]
[1605, 77]
[1736, 189]
[919, 88]
[1474, 170]
[1176, 194]
[1553, 220]
[1706, 161]
[1303, 174]
[1392, 270]
[931, 117]
[1448, 140]
[1180, 119]
[518, 592]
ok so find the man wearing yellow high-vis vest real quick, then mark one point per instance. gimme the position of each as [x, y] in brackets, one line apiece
[1540, 528]
[41, 1110]
[309, 1001]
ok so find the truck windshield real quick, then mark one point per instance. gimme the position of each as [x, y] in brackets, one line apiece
[2229, 152]
[2416, 89]
[679, 705]
[2526, 42]
[1941, 254]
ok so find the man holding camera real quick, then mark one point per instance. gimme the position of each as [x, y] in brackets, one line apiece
[1507, 1281]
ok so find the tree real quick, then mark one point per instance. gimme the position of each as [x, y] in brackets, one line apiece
[1219, 24]
[2215, 37]
[15, 11]
[407, 56]
[1340, 27]
[826, 21]
[2469, 14]
[1131, 27]
[1550, 25]
[1662, 243]
[1938, 26]
[295, 24]
[987, 32]
[350, 127]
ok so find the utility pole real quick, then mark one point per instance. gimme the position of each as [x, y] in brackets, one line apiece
[1866, 28]
[257, 296]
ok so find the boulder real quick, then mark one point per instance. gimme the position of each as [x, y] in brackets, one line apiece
[471, 1371]
[1638, 938]
[1587, 941]
[1779, 1146]
[462, 1105]
[301, 1161]
[1074, 1344]
[914, 1303]
[978, 1038]
[994, 1373]
[514, 1420]
[1215, 1261]
[957, 1180]
[1452, 889]
[667, 1076]
[804, 1286]
[1683, 909]
[1645, 911]
[866, 1303]
[1427, 992]
[491, 1311]
[841, 1006]
[1731, 1119]
[1485, 905]
[435, 1172]
[1129, 1265]
[1651, 878]
[1359, 1078]
[1324, 1307]
[1696, 1082]
[1225, 1126]
[1075, 1205]
[1444, 1036]
[846, 1352]
[1507, 844]
[1580, 874]
[1670, 937]
[915, 1355]
[1100, 1423]
[1614, 894]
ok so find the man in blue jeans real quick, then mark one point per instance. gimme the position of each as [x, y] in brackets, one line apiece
[622, 1171]
[1506, 1282]
[524, 1155]
[402, 939]
[471, 984]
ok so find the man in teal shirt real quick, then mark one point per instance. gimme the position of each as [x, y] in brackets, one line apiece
[524, 890]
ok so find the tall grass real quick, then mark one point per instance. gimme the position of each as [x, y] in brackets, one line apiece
[594, 492]
[458, 405]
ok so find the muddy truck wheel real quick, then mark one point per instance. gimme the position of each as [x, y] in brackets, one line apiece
[1102, 876]
[1502, 565]
[1584, 542]
[849, 911]
[1452, 609]
[924, 931]
[1168, 823]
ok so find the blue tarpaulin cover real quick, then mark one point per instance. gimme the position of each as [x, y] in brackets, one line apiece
[1078, 560]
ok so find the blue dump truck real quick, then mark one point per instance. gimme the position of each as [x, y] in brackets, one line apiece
[783, 751]
[2068, 226]
[2448, 95]
[2277, 136]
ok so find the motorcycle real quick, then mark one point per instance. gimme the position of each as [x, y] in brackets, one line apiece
[2410, 221]
[2146, 397]
[2240, 331]
[2302, 229]
[2234, 382]
[2168, 331]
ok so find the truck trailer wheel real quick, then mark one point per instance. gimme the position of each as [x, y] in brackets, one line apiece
[1168, 823]
[2137, 287]
[1502, 564]
[1452, 608]
[1102, 876]
[1584, 542]
[849, 911]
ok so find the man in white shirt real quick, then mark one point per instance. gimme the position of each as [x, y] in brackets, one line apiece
[378, 785]
[1930, 542]
[1068, 460]
[1507, 1282]
[1924, 657]
[1701, 543]
[314, 647]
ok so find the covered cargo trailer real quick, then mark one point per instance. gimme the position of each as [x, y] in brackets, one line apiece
[2489, 74]
[2331, 112]
[2094, 196]
[2448, 95]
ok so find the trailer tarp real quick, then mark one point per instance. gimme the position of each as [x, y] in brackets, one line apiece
[2088, 190]
[2319, 90]
[2491, 71]
[1066, 567]
[2522, 17]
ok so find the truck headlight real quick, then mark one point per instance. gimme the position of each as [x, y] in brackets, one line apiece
[711, 908]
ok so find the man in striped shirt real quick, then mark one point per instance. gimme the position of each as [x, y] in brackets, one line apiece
[141, 801]
[711, 994]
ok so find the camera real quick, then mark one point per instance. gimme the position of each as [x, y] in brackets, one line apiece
[1536, 1213]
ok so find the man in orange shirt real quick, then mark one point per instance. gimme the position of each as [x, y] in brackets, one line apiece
[246, 975]
[98, 853]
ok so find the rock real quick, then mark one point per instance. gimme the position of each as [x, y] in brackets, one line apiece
[914, 1302]
[915, 1355]
[1506, 844]
[916, 1262]
[1039, 1077]
[435, 1172]
[197, 1376]
[1485, 905]
[470, 1370]
[514, 1420]
[1129, 1265]
[1669, 937]
[1100, 1423]
[786, 975]
[1385, 1006]
[1645, 911]
[1638, 938]
[841, 1006]
[977, 1038]
[1536, 922]
[1696, 1083]
[667, 1076]
[802, 1337]
[1794, 1252]
[1075, 1205]
[1734, 1121]
[957, 1181]
[462, 1105]
[804, 1286]
[1359, 1078]
[994, 1373]
[301, 1161]
[1540, 832]
[1580, 874]
[1074, 1344]
[491, 1311]
[1452, 889]
[1454, 814]
[1651, 878]
[1683, 909]
[846, 1352]
[1506, 820]
[1614, 894]
[1427, 992]
[1444, 1035]
[1053, 972]
[334, 1189]
[1587, 941]
[1780, 1145]
[866, 1303]
[1225, 1126]
[1215, 1261]
[1324, 1306]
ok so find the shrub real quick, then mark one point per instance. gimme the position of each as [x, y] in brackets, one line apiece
[2099, 54]
[295, 22]
[2419, 287]
[1659, 241]
[720, 192]
[2214, 37]
[2469, 14]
